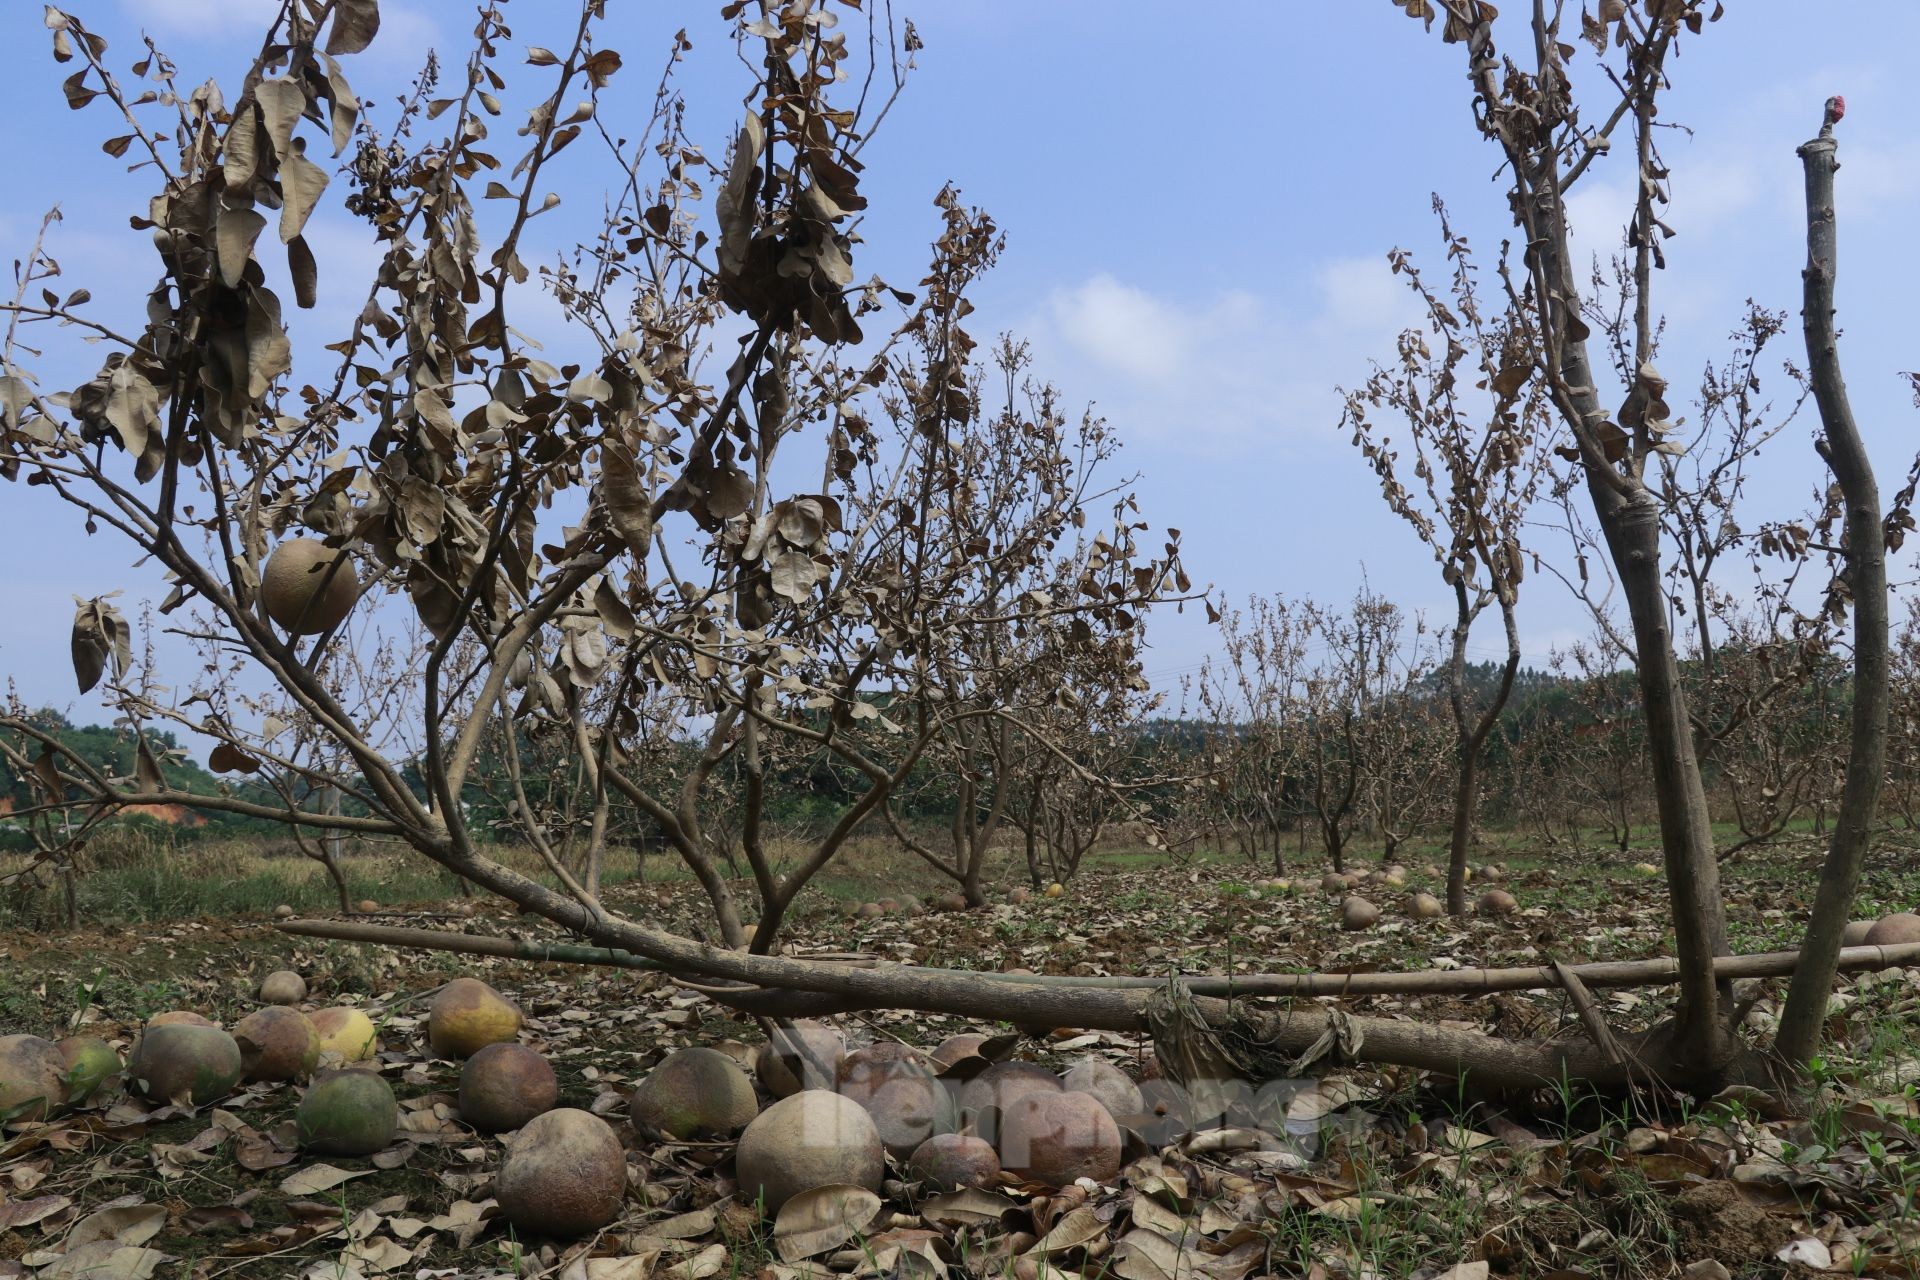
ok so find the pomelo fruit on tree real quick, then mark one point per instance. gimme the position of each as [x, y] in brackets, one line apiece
[305, 590]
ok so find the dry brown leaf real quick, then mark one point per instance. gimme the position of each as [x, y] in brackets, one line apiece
[822, 1219]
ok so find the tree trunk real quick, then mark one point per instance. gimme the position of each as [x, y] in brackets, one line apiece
[1462, 827]
[1865, 575]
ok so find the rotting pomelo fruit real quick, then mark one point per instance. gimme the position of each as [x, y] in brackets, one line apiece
[1497, 902]
[1107, 1084]
[504, 1086]
[178, 1060]
[283, 986]
[305, 590]
[33, 1078]
[1889, 931]
[347, 1113]
[955, 1048]
[803, 1055]
[908, 1103]
[813, 1139]
[1056, 1138]
[346, 1034]
[1356, 913]
[90, 1063]
[467, 1015]
[565, 1174]
[997, 1090]
[693, 1092]
[1424, 906]
[180, 1018]
[950, 1161]
[277, 1043]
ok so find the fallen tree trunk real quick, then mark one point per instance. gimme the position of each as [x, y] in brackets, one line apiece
[1604, 973]
[779, 987]
[387, 935]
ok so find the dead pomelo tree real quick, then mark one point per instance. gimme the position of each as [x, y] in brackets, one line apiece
[598, 542]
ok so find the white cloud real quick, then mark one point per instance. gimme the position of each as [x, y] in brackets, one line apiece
[1225, 369]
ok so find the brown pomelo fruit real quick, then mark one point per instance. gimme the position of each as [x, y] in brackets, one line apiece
[277, 1043]
[347, 1113]
[33, 1078]
[1497, 902]
[466, 1016]
[951, 1161]
[1356, 913]
[908, 1103]
[951, 1050]
[90, 1063]
[345, 1033]
[565, 1174]
[1334, 882]
[950, 902]
[1106, 1084]
[805, 1055]
[1888, 931]
[1056, 1138]
[181, 1060]
[1166, 1111]
[180, 1018]
[303, 588]
[1424, 906]
[813, 1139]
[1493, 873]
[986, 1099]
[1019, 894]
[1855, 934]
[283, 912]
[283, 986]
[870, 911]
[504, 1086]
[366, 906]
[694, 1092]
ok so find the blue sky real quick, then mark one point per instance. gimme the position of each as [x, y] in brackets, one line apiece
[1199, 201]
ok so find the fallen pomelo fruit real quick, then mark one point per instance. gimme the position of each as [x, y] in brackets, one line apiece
[950, 1161]
[565, 1174]
[346, 1034]
[804, 1055]
[813, 1139]
[283, 986]
[467, 1015]
[1060, 1137]
[277, 1043]
[179, 1060]
[91, 1062]
[504, 1086]
[693, 1092]
[33, 1078]
[347, 1113]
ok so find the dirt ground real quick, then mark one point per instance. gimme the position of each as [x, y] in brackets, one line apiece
[1384, 1173]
